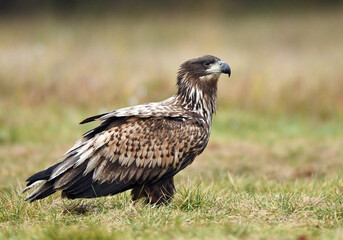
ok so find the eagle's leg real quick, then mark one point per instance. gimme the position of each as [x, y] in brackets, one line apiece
[156, 193]
[138, 192]
[161, 191]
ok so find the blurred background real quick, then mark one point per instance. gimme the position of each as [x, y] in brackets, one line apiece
[62, 61]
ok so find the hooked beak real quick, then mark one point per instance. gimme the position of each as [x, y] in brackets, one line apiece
[225, 68]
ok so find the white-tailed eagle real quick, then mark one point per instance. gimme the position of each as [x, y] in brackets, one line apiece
[140, 147]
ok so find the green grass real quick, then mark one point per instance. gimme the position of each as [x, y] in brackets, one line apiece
[272, 170]
[245, 208]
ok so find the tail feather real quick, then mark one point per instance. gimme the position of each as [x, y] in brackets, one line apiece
[42, 192]
[39, 178]
[42, 175]
[34, 184]
[73, 185]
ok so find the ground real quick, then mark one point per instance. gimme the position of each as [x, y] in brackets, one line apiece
[273, 167]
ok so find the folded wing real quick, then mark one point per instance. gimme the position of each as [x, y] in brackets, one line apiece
[123, 152]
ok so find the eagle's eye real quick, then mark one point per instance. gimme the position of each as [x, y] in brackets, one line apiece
[207, 63]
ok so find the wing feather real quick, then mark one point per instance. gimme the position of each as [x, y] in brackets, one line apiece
[132, 152]
[152, 143]
[154, 109]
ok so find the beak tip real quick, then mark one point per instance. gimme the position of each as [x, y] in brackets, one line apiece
[225, 68]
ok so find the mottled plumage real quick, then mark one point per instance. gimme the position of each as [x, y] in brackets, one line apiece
[140, 147]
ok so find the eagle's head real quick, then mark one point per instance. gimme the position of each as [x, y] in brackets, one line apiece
[202, 72]
[197, 84]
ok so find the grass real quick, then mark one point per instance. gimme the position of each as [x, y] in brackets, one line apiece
[249, 208]
[273, 167]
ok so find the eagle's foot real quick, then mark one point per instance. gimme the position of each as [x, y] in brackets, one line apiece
[157, 193]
